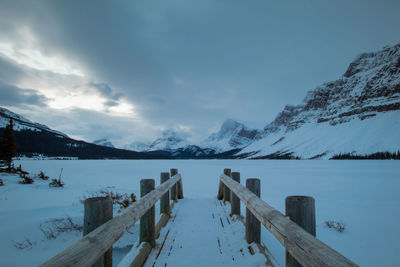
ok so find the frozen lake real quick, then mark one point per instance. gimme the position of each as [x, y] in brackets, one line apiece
[362, 194]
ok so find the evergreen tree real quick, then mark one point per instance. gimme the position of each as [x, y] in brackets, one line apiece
[8, 147]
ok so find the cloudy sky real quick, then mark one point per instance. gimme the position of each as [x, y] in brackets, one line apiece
[128, 70]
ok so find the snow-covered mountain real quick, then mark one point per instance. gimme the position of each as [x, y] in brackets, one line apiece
[232, 135]
[37, 139]
[21, 123]
[169, 141]
[137, 146]
[103, 142]
[359, 113]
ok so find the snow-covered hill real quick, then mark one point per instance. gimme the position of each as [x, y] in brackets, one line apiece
[358, 113]
[103, 142]
[35, 139]
[232, 135]
[21, 123]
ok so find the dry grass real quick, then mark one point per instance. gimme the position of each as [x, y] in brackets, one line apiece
[120, 199]
[24, 244]
[54, 227]
[338, 226]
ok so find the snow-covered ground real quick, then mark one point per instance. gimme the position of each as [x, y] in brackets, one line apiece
[362, 194]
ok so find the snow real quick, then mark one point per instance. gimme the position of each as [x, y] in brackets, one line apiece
[103, 142]
[379, 133]
[21, 123]
[362, 194]
[232, 134]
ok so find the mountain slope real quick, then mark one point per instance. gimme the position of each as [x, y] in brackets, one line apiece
[169, 141]
[103, 142]
[34, 138]
[358, 113]
[232, 135]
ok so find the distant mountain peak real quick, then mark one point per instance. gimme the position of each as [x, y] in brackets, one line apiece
[231, 135]
[103, 142]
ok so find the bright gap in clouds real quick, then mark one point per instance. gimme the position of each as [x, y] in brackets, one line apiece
[68, 89]
[34, 59]
[89, 101]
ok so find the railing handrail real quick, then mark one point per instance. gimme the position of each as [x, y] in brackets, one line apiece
[87, 250]
[305, 248]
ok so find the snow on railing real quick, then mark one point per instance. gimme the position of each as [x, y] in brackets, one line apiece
[93, 247]
[300, 244]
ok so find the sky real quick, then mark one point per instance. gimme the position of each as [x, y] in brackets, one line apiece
[129, 70]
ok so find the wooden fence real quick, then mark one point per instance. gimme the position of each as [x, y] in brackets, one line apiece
[94, 246]
[300, 244]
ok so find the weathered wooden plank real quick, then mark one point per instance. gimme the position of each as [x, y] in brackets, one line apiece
[253, 226]
[164, 201]
[301, 210]
[87, 250]
[147, 222]
[174, 189]
[227, 192]
[235, 201]
[145, 248]
[143, 253]
[307, 250]
[179, 185]
[220, 195]
[180, 189]
[98, 210]
[161, 223]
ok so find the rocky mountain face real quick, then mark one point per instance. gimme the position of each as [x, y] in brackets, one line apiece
[230, 138]
[232, 135]
[103, 142]
[358, 113]
[137, 146]
[169, 141]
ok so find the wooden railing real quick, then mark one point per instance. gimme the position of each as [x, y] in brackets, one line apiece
[89, 249]
[304, 247]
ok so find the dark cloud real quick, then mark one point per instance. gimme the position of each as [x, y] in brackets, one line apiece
[11, 95]
[10, 71]
[105, 90]
[196, 63]
[111, 103]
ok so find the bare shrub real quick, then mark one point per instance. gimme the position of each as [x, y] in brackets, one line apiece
[57, 182]
[54, 227]
[338, 226]
[24, 244]
[43, 176]
[122, 200]
[25, 179]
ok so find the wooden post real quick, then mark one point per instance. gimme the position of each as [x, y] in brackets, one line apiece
[235, 201]
[220, 195]
[179, 186]
[227, 192]
[147, 222]
[97, 211]
[164, 201]
[174, 195]
[253, 225]
[301, 210]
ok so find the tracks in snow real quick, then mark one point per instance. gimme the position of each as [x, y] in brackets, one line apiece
[201, 233]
